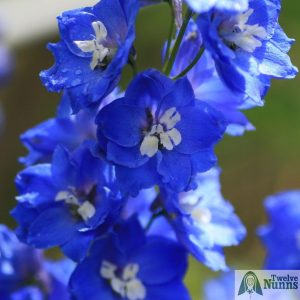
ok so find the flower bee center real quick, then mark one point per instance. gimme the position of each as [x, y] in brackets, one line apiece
[102, 54]
[84, 209]
[163, 134]
[124, 283]
[237, 34]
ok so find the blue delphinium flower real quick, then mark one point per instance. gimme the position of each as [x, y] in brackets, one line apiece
[203, 221]
[96, 44]
[66, 202]
[24, 274]
[158, 133]
[208, 85]
[281, 236]
[249, 48]
[127, 265]
[65, 129]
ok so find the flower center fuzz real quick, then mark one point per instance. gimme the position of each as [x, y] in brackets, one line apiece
[101, 54]
[237, 34]
[163, 134]
[127, 285]
[84, 209]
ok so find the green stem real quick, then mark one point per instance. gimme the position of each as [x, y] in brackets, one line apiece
[134, 69]
[169, 65]
[171, 32]
[133, 65]
[153, 218]
[191, 66]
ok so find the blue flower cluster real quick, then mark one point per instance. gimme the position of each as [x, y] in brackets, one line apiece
[25, 274]
[126, 184]
[282, 238]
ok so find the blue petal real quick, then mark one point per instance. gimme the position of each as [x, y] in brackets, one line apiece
[203, 160]
[53, 227]
[175, 169]
[200, 127]
[76, 248]
[273, 58]
[122, 124]
[87, 275]
[24, 215]
[132, 180]
[174, 290]
[231, 6]
[127, 157]
[63, 171]
[76, 25]
[212, 258]
[182, 95]
[130, 236]
[42, 139]
[30, 292]
[161, 261]
[117, 15]
[35, 184]
[148, 89]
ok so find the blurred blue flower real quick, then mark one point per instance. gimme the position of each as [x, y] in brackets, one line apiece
[66, 202]
[6, 63]
[158, 133]
[6, 59]
[203, 221]
[127, 265]
[24, 274]
[95, 46]
[207, 83]
[249, 48]
[201, 6]
[281, 236]
[221, 288]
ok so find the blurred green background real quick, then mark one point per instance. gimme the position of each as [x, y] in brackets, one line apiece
[254, 166]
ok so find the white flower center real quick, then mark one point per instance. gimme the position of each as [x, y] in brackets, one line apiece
[238, 34]
[101, 54]
[127, 285]
[202, 215]
[191, 203]
[164, 133]
[85, 209]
